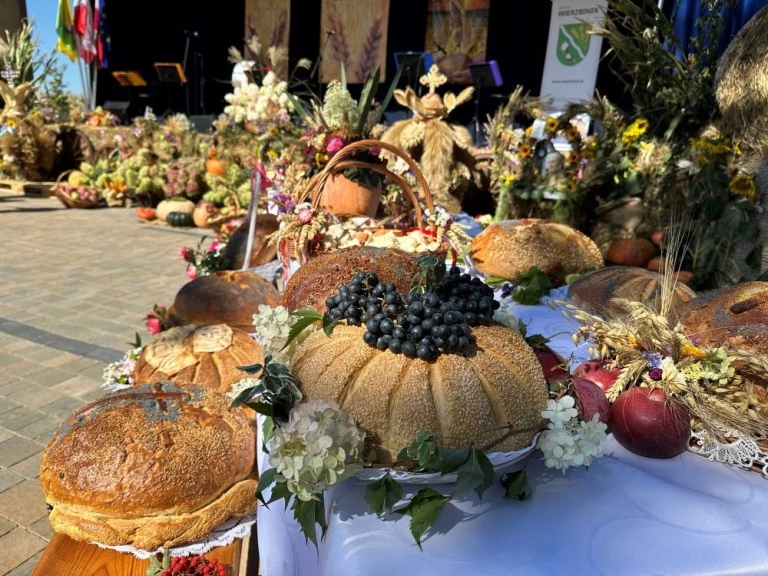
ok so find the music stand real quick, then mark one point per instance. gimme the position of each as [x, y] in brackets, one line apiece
[484, 75]
[413, 64]
[170, 73]
[129, 78]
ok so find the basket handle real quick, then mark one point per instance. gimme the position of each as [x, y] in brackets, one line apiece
[342, 160]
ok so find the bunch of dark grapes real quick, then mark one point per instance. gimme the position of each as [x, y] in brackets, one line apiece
[417, 325]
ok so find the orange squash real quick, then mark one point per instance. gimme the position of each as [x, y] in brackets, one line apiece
[631, 252]
[145, 213]
[346, 197]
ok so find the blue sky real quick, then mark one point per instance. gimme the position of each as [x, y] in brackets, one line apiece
[43, 12]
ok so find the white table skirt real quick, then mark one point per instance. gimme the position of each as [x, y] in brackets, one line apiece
[626, 515]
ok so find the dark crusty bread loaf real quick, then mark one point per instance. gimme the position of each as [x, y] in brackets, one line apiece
[321, 276]
[596, 291]
[261, 252]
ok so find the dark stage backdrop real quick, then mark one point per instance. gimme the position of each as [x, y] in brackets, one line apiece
[147, 31]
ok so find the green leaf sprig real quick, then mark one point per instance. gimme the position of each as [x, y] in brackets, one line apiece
[532, 284]
[274, 395]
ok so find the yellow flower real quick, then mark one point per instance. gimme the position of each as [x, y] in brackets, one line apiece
[529, 131]
[272, 154]
[642, 125]
[690, 350]
[525, 151]
[11, 122]
[572, 134]
[510, 178]
[551, 124]
[743, 185]
[572, 158]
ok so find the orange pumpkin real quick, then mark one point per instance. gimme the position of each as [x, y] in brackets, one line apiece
[145, 213]
[346, 197]
[631, 252]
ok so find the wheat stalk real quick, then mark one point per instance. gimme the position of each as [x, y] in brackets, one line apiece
[370, 55]
[338, 40]
[278, 31]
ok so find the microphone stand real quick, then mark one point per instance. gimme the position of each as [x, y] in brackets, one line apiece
[184, 66]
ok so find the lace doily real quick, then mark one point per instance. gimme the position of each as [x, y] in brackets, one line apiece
[741, 451]
[224, 535]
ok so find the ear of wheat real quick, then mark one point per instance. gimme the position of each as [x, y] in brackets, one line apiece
[370, 55]
[278, 31]
[339, 46]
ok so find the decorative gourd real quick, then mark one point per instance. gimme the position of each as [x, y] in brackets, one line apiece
[631, 252]
[174, 205]
[467, 398]
[179, 219]
[145, 213]
[215, 166]
[207, 356]
[75, 178]
[203, 211]
[346, 197]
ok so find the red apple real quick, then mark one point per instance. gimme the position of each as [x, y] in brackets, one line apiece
[646, 423]
[596, 370]
[554, 367]
[592, 399]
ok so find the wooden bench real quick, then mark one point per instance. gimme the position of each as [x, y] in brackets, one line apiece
[29, 189]
[66, 557]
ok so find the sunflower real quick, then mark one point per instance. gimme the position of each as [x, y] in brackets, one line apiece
[525, 150]
[572, 134]
[743, 185]
[551, 124]
[642, 125]
[572, 158]
[11, 122]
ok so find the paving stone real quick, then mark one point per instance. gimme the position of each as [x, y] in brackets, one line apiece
[77, 385]
[9, 479]
[6, 526]
[27, 568]
[79, 364]
[6, 404]
[50, 376]
[42, 528]
[24, 503]
[7, 359]
[21, 417]
[61, 359]
[18, 547]
[43, 430]
[61, 408]
[34, 395]
[16, 449]
[5, 434]
[29, 468]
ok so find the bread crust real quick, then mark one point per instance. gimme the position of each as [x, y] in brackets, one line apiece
[149, 465]
[506, 248]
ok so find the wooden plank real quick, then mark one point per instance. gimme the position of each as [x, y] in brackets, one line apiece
[66, 557]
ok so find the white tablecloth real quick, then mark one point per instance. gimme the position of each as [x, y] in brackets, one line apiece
[626, 515]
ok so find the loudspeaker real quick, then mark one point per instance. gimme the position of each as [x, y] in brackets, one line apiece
[202, 123]
[118, 107]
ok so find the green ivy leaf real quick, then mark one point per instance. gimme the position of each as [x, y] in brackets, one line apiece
[476, 473]
[308, 514]
[304, 321]
[424, 509]
[279, 491]
[267, 431]
[383, 494]
[532, 285]
[424, 449]
[516, 485]
[266, 479]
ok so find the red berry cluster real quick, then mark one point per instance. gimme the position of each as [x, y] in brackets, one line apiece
[194, 566]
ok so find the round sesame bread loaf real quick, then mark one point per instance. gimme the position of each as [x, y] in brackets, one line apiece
[466, 398]
[319, 278]
[224, 298]
[597, 291]
[151, 466]
[207, 356]
[506, 248]
[735, 317]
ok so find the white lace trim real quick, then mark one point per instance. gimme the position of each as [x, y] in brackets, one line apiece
[741, 451]
[224, 535]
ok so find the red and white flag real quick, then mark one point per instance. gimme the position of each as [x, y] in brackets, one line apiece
[84, 30]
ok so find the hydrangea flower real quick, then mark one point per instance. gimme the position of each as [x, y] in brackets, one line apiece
[339, 108]
[266, 103]
[568, 440]
[318, 447]
[272, 328]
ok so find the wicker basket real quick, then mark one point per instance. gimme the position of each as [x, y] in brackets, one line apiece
[59, 190]
[313, 192]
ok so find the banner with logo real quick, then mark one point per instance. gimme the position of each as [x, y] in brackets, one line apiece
[573, 54]
[270, 20]
[457, 35]
[353, 32]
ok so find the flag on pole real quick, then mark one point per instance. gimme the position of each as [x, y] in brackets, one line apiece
[83, 22]
[104, 40]
[65, 30]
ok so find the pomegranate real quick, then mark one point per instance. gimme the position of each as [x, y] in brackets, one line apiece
[646, 423]
[596, 371]
[554, 366]
[592, 399]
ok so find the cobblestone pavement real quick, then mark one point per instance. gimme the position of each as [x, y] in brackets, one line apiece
[74, 288]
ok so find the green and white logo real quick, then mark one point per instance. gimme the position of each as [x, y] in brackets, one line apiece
[573, 43]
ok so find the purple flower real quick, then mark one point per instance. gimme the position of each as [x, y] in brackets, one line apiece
[334, 145]
[654, 361]
[655, 374]
[304, 213]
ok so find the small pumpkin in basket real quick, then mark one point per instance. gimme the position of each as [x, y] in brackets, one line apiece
[206, 356]
[468, 398]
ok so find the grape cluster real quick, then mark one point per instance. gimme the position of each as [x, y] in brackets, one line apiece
[416, 325]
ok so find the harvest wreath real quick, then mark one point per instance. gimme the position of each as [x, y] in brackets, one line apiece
[417, 387]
